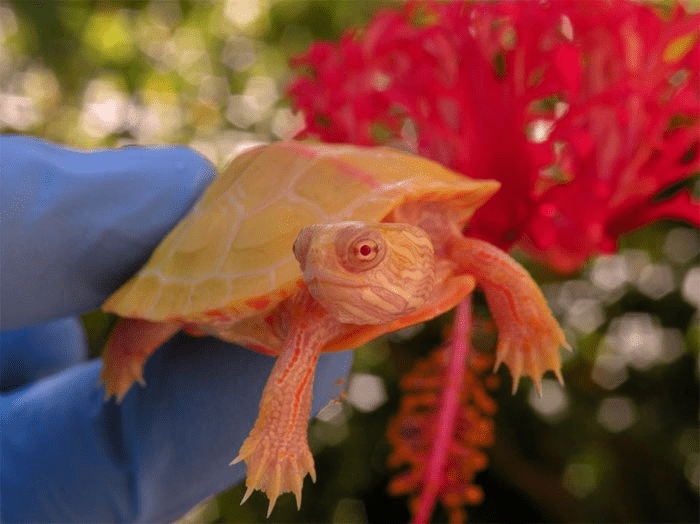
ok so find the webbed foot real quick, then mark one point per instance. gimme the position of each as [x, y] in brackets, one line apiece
[276, 452]
[275, 467]
[529, 337]
[119, 373]
[128, 347]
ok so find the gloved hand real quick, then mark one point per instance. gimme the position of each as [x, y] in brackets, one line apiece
[74, 226]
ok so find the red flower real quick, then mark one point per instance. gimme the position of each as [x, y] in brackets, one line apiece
[585, 111]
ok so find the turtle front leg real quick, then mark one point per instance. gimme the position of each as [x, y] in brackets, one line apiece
[529, 337]
[276, 452]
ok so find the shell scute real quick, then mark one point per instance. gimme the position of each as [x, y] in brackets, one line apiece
[207, 294]
[136, 296]
[392, 164]
[258, 186]
[313, 187]
[201, 245]
[229, 179]
[248, 286]
[174, 295]
[380, 205]
[272, 225]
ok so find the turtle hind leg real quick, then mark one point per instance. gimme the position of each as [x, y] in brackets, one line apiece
[129, 345]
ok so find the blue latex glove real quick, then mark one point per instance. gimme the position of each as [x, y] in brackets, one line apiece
[74, 226]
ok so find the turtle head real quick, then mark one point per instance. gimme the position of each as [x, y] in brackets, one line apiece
[367, 274]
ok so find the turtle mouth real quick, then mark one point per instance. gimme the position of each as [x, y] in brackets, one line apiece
[322, 276]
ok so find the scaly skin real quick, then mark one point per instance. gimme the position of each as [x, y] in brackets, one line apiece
[276, 452]
[131, 342]
[529, 337]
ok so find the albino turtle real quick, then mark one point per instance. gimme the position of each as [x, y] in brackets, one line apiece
[300, 248]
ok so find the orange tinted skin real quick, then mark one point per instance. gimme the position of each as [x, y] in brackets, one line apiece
[131, 342]
[276, 452]
[529, 337]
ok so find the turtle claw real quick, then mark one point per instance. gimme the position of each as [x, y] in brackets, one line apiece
[128, 347]
[273, 469]
[276, 451]
[560, 378]
[516, 368]
[119, 379]
[529, 337]
[119, 372]
[530, 352]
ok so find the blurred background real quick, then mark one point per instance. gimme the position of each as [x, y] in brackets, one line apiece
[618, 443]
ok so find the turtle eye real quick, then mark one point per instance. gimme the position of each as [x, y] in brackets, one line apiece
[360, 248]
[365, 250]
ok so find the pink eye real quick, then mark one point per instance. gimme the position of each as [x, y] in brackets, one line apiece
[359, 248]
[365, 250]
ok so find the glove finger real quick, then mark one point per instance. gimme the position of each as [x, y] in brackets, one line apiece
[75, 225]
[29, 354]
[151, 458]
[204, 394]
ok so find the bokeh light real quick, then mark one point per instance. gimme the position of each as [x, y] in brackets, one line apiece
[553, 402]
[366, 392]
[617, 413]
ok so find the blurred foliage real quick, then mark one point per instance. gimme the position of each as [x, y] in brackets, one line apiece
[618, 443]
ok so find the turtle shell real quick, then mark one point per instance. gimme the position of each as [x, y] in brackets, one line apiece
[228, 263]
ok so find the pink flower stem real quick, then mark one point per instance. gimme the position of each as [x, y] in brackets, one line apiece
[434, 475]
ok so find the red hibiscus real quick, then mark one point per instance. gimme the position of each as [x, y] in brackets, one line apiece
[585, 110]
